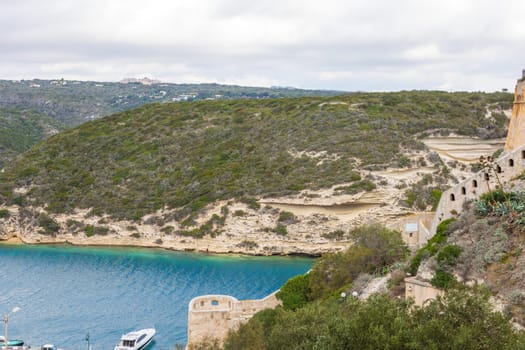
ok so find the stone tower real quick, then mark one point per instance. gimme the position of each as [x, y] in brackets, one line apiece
[516, 133]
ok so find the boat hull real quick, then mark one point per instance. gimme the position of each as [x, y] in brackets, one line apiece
[136, 340]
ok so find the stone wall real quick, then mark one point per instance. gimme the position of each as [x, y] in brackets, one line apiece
[415, 229]
[511, 164]
[420, 291]
[516, 133]
[506, 167]
[212, 316]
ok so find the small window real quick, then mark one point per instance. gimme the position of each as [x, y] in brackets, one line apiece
[474, 183]
[463, 190]
[487, 177]
[498, 169]
[202, 303]
[214, 302]
[511, 162]
[523, 154]
[452, 197]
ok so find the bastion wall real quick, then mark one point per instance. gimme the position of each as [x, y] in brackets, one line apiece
[212, 316]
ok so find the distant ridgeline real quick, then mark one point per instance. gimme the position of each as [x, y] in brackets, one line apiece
[188, 155]
[75, 102]
[32, 110]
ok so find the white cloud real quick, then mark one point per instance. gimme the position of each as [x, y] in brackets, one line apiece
[333, 44]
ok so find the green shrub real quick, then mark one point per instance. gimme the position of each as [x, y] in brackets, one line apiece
[287, 217]
[280, 229]
[295, 292]
[356, 187]
[252, 202]
[168, 230]
[239, 213]
[48, 225]
[247, 244]
[432, 246]
[443, 279]
[4, 214]
[375, 247]
[334, 235]
[185, 156]
[448, 255]
[89, 230]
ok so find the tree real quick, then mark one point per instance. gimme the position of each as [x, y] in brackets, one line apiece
[295, 292]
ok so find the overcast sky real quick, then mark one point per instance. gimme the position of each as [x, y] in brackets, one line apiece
[366, 45]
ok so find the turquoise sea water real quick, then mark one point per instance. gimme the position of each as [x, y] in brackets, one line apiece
[65, 292]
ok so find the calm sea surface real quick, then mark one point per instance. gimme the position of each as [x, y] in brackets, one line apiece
[66, 292]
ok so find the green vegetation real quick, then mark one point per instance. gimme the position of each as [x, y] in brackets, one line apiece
[462, 319]
[75, 102]
[185, 156]
[4, 214]
[48, 225]
[356, 187]
[280, 229]
[251, 202]
[286, 217]
[448, 254]
[375, 247]
[432, 246]
[91, 230]
[295, 293]
[426, 192]
[443, 279]
[248, 244]
[508, 205]
[22, 129]
[337, 235]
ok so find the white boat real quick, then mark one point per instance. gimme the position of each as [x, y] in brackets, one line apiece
[49, 347]
[136, 340]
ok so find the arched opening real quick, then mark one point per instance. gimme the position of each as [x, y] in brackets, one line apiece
[463, 190]
[511, 162]
[452, 197]
[215, 302]
[498, 169]
[474, 183]
[487, 177]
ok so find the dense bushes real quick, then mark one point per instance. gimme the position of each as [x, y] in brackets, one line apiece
[462, 319]
[295, 293]
[374, 247]
[432, 246]
[48, 225]
[187, 155]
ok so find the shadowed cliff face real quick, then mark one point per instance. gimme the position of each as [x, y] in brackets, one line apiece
[516, 134]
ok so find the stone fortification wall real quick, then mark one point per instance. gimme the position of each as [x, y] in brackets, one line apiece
[420, 291]
[512, 163]
[506, 167]
[212, 316]
[516, 133]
